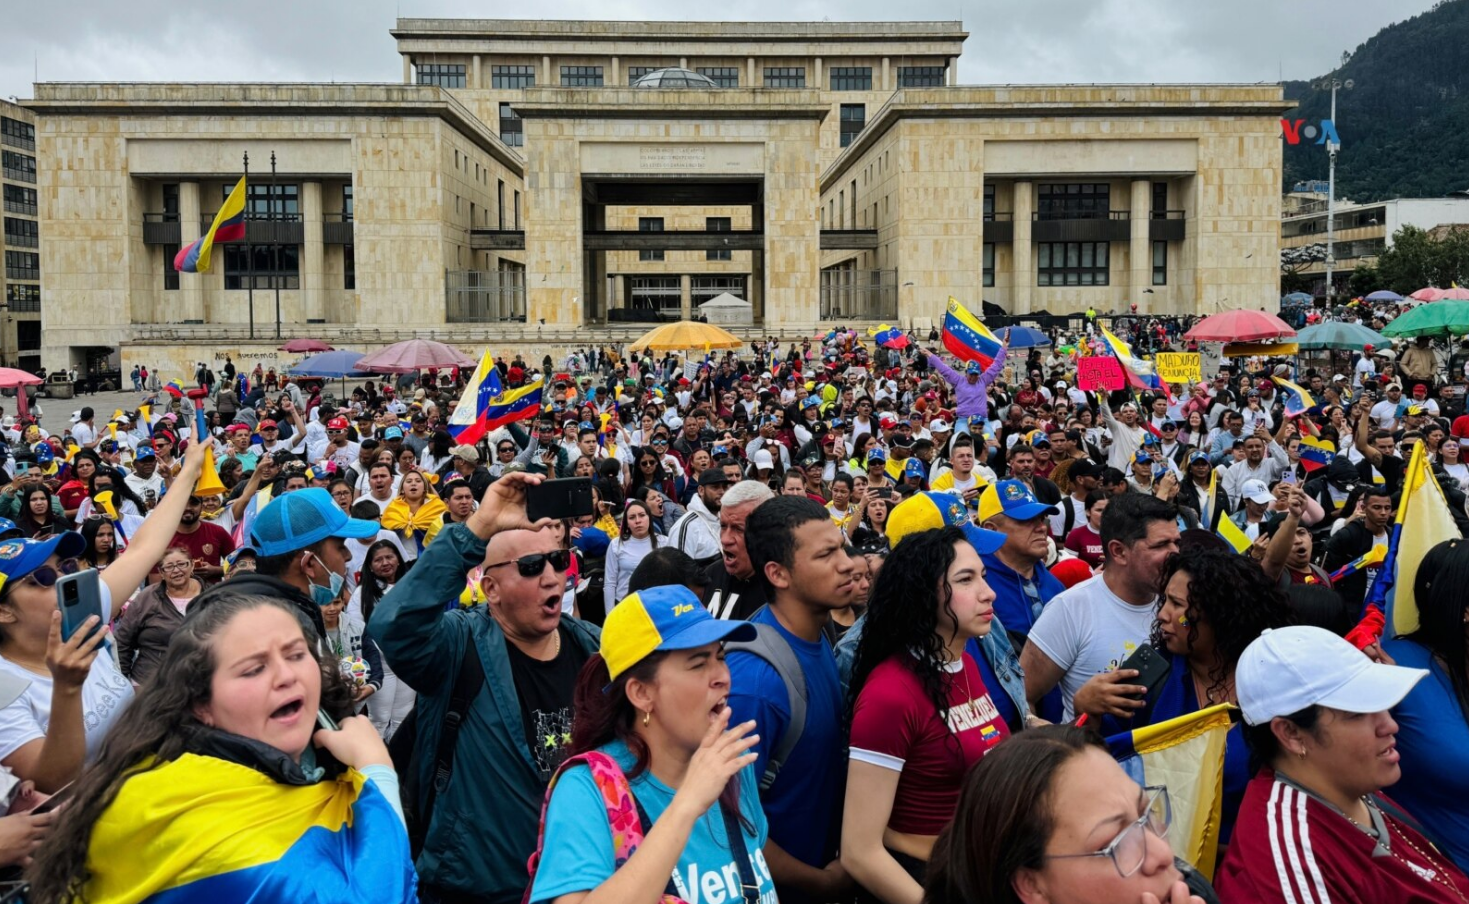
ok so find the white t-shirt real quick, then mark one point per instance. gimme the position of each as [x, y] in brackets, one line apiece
[1088, 630]
[1385, 414]
[105, 694]
[357, 553]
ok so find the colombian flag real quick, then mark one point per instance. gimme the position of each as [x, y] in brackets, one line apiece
[888, 337]
[1296, 399]
[466, 424]
[966, 338]
[1423, 522]
[1185, 754]
[228, 226]
[201, 830]
[1230, 533]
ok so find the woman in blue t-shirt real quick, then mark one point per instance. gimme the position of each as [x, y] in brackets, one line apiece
[658, 784]
[1433, 720]
[1212, 604]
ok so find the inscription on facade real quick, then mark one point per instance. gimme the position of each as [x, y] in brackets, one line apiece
[672, 157]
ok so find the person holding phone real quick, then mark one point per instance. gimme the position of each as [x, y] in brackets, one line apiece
[1214, 602]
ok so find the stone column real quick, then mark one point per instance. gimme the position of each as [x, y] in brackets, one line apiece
[685, 297]
[546, 71]
[683, 62]
[1140, 250]
[750, 73]
[616, 71]
[407, 69]
[953, 70]
[1023, 277]
[817, 82]
[474, 75]
[313, 276]
[886, 85]
[191, 288]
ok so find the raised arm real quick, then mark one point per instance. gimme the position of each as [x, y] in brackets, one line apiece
[151, 539]
[997, 365]
[950, 375]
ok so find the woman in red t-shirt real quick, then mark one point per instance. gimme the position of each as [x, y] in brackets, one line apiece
[1086, 539]
[921, 713]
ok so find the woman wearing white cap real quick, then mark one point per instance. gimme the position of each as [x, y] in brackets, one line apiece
[1314, 826]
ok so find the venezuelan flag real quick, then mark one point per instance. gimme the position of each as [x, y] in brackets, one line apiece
[200, 830]
[175, 389]
[966, 338]
[1317, 453]
[1186, 755]
[228, 226]
[516, 405]
[1295, 398]
[888, 337]
[1423, 522]
[466, 424]
[1139, 373]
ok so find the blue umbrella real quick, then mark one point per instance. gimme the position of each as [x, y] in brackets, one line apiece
[1384, 295]
[1297, 298]
[1023, 336]
[329, 365]
[1338, 334]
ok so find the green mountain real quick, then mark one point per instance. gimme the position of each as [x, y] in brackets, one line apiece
[1404, 124]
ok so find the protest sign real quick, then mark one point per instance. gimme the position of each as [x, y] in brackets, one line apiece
[1099, 372]
[1179, 367]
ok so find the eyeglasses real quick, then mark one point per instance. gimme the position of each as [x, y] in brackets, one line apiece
[46, 576]
[1130, 848]
[506, 450]
[531, 566]
[175, 566]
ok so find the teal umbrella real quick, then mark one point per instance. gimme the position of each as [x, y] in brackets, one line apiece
[1339, 335]
[1441, 318]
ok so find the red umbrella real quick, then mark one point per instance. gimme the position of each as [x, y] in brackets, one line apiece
[413, 354]
[1240, 326]
[306, 346]
[10, 378]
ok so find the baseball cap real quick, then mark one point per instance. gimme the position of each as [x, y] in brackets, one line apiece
[144, 453]
[762, 459]
[19, 557]
[1416, 410]
[1256, 491]
[973, 368]
[338, 423]
[1393, 385]
[1420, 390]
[1013, 499]
[468, 453]
[938, 425]
[234, 557]
[300, 519]
[913, 467]
[661, 619]
[876, 455]
[1168, 425]
[268, 424]
[1038, 439]
[1141, 457]
[887, 422]
[1198, 456]
[713, 477]
[810, 401]
[9, 529]
[931, 510]
[393, 433]
[1286, 670]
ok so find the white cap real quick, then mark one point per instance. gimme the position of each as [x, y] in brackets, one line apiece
[1286, 670]
[76, 417]
[939, 425]
[1060, 384]
[1256, 491]
[763, 459]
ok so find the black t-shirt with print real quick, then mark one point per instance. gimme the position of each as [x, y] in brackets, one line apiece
[545, 690]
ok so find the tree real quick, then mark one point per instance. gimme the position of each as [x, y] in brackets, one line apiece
[1411, 263]
[1364, 279]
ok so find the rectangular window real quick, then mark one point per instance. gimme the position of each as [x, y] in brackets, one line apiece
[851, 78]
[921, 76]
[1160, 263]
[517, 210]
[20, 167]
[581, 76]
[22, 233]
[274, 266]
[23, 299]
[170, 201]
[989, 202]
[1071, 264]
[17, 134]
[267, 202]
[636, 72]
[1160, 200]
[989, 263]
[346, 202]
[1073, 201]
[20, 200]
[500, 198]
[854, 117]
[170, 275]
[703, 288]
[723, 76]
[445, 75]
[510, 128]
[349, 268]
[512, 76]
[22, 265]
[718, 224]
[785, 77]
[650, 224]
[655, 293]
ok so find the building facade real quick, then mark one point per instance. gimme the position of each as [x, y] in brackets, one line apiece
[1361, 231]
[524, 188]
[20, 331]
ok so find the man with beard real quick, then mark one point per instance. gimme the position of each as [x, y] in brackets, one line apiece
[697, 532]
[733, 590]
[208, 543]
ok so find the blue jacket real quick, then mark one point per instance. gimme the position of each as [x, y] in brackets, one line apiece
[1012, 605]
[485, 822]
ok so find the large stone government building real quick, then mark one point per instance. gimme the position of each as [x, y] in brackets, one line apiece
[538, 184]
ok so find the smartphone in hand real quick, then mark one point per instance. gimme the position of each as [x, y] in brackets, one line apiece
[79, 596]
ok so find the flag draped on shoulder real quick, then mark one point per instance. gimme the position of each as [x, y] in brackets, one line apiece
[1423, 521]
[966, 338]
[1186, 755]
[228, 226]
[466, 423]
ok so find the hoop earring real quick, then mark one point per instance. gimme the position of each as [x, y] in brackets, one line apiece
[647, 716]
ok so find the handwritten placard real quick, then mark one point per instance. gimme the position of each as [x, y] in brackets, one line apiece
[1180, 367]
[1099, 372]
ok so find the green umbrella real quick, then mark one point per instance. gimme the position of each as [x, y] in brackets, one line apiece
[1338, 334]
[1440, 318]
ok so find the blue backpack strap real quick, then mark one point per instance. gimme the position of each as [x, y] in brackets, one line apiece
[771, 647]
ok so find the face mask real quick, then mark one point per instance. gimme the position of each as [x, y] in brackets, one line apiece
[323, 596]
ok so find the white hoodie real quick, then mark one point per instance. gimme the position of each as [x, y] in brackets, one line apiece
[697, 532]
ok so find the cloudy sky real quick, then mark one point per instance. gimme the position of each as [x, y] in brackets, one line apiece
[1014, 42]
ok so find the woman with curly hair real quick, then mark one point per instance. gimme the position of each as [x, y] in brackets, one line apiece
[1213, 603]
[921, 712]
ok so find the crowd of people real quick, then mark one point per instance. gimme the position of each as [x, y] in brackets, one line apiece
[843, 623]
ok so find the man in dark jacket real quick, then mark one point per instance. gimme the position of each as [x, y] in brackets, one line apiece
[483, 823]
[1355, 539]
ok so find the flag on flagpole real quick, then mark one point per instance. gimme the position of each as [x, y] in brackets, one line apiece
[1186, 755]
[228, 226]
[466, 423]
[1208, 513]
[888, 336]
[1296, 399]
[1139, 373]
[1230, 533]
[519, 404]
[1370, 559]
[966, 338]
[1423, 521]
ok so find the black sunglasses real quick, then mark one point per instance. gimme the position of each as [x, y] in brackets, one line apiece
[46, 576]
[531, 566]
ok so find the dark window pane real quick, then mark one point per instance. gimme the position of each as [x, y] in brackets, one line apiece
[441, 74]
[851, 78]
[785, 76]
[921, 76]
[723, 76]
[581, 76]
[512, 76]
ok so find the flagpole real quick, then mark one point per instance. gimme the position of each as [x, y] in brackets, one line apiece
[249, 251]
[275, 274]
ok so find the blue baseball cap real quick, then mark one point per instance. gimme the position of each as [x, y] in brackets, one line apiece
[1141, 457]
[811, 401]
[876, 455]
[144, 452]
[242, 551]
[913, 467]
[304, 518]
[19, 556]
[8, 527]
[1198, 456]
[930, 510]
[1013, 499]
[393, 433]
[973, 368]
[1150, 439]
[659, 620]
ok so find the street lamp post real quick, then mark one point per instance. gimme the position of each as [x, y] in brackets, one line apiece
[1332, 148]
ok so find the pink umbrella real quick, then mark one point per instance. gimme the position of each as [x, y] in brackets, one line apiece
[413, 354]
[10, 378]
[1427, 293]
[1240, 326]
[1454, 294]
[306, 346]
